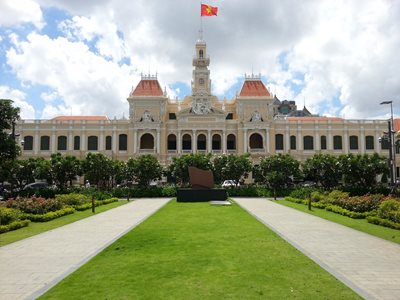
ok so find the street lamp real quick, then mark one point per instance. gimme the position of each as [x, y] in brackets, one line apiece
[392, 145]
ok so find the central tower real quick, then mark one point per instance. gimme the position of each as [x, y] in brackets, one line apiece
[201, 83]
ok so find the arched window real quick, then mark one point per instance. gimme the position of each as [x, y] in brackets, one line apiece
[108, 142]
[62, 143]
[77, 142]
[123, 142]
[28, 142]
[278, 141]
[147, 141]
[231, 142]
[171, 142]
[186, 142]
[323, 142]
[337, 142]
[200, 53]
[45, 143]
[308, 142]
[292, 142]
[201, 142]
[353, 142]
[216, 142]
[256, 141]
[369, 142]
[92, 143]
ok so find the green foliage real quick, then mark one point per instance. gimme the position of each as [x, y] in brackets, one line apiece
[249, 191]
[178, 169]
[296, 200]
[383, 222]
[339, 210]
[97, 168]
[14, 225]
[88, 205]
[362, 170]
[9, 215]
[317, 196]
[34, 205]
[49, 215]
[360, 204]
[278, 171]
[302, 193]
[64, 169]
[144, 169]
[324, 169]
[234, 167]
[73, 199]
[390, 210]
[9, 115]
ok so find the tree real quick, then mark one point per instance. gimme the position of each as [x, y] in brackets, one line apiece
[324, 169]
[9, 115]
[179, 167]
[278, 171]
[64, 169]
[231, 167]
[144, 169]
[362, 170]
[97, 168]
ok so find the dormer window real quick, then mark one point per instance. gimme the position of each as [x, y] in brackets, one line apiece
[201, 53]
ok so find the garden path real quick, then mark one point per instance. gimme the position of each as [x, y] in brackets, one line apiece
[367, 264]
[31, 266]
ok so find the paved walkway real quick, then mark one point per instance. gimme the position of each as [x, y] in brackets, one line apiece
[30, 267]
[368, 265]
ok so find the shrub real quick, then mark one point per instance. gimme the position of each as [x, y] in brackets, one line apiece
[168, 191]
[50, 215]
[296, 200]
[336, 195]
[345, 212]
[317, 196]
[390, 210]
[88, 205]
[34, 205]
[9, 215]
[73, 199]
[14, 225]
[383, 222]
[359, 203]
[303, 192]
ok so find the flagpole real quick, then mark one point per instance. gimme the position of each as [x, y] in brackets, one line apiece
[201, 23]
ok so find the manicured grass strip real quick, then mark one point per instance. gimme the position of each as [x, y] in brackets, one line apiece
[36, 228]
[386, 233]
[199, 251]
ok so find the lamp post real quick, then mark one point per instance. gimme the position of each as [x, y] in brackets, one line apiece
[392, 145]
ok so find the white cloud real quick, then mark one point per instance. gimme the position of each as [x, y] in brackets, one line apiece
[86, 82]
[26, 110]
[23, 11]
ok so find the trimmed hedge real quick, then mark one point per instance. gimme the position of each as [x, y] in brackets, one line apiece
[346, 212]
[383, 222]
[73, 199]
[9, 215]
[14, 225]
[50, 215]
[296, 200]
[96, 203]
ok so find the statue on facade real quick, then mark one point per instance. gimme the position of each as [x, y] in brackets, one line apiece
[256, 117]
[147, 117]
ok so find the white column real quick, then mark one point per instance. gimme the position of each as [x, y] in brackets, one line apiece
[194, 141]
[53, 148]
[101, 140]
[346, 139]
[362, 139]
[179, 142]
[267, 140]
[70, 140]
[83, 140]
[287, 139]
[317, 139]
[209, 148]
[378, 148]
[134, 140]
[244, 140]
[329, 137]
[300, 145]
[224, 141]
[36, 143]
[158, 141]
[114, 140]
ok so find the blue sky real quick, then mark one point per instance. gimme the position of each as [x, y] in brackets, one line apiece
[76, 57]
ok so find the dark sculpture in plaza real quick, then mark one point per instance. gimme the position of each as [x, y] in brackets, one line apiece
[202, 187]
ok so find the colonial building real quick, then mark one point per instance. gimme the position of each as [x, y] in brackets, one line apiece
[254, 122]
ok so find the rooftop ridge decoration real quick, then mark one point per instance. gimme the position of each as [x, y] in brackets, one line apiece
[148, 76]
[252, 76]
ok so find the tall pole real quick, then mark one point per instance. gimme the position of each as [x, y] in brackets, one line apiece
[392, 132]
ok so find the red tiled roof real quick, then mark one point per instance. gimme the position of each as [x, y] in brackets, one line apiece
[80, 118]
[314, 119]
[254, 88]
[148, 87]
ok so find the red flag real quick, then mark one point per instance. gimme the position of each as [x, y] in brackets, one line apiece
[208, 11]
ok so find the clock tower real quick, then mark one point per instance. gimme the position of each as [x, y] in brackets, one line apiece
[201, 83]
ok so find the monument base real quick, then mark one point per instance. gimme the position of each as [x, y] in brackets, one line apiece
[200, 195]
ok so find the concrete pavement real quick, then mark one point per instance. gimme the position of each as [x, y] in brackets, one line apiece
[367, 264]
[31, 266]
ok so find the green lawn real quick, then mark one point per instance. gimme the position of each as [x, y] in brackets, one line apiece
[36, 228]
[386, 233]
[198, 251]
